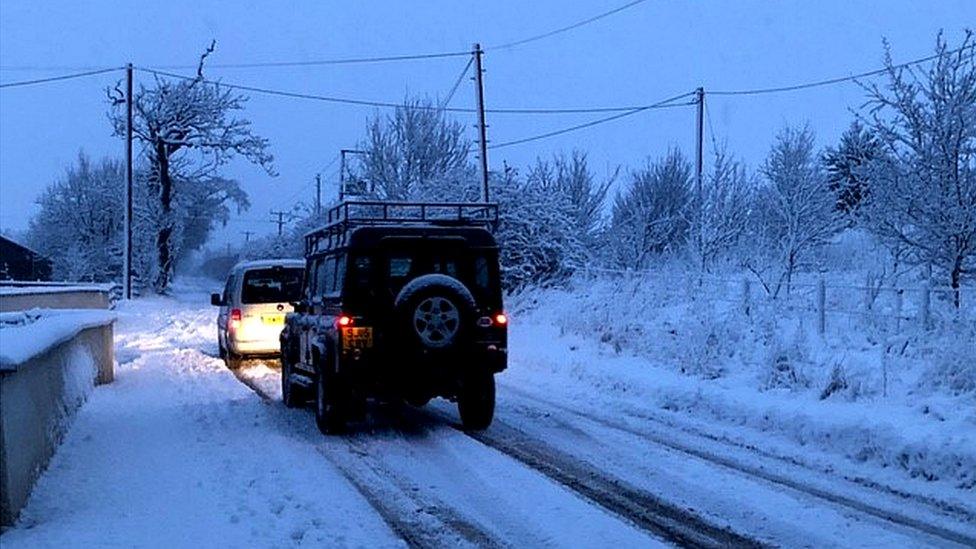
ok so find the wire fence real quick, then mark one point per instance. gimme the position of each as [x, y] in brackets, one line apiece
[893, 309]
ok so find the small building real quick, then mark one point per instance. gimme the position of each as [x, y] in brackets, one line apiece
[18, 262]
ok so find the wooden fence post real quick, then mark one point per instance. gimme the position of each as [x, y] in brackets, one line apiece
[926, 306]
[899, 304]
[821, 307]
[746, 304]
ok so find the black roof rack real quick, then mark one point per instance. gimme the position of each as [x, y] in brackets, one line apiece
[340, 219]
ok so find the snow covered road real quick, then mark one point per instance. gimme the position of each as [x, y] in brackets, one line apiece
[178, 452]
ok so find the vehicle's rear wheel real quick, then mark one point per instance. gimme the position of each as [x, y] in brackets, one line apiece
[476, 400]
[292, 395]
[434, 311]
[329, 397]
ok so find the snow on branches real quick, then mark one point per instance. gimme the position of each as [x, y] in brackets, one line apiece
[188, 129]
[923, 194]
[795, 213]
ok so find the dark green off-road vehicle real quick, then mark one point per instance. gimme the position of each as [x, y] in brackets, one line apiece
[400, 302]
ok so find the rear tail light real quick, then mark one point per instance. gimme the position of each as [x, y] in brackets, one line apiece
[498, 320]
[344, 320]
[234, 320]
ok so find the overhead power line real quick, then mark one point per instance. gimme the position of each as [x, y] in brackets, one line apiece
[338, 61]
[560, 30]
[457, 83]
[667, 103]
[389, 104]
[58, 78]
[838, 80]
[268, 64]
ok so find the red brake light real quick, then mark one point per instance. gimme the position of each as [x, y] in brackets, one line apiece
[234, 320]
[344, 320]
[501, 319]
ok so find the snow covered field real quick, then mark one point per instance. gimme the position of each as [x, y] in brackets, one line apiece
[591, 447]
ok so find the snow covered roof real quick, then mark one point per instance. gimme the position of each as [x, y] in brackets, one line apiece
[19, 245]
[265, 263]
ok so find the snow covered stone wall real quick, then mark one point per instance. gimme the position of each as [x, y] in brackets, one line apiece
[51, 295]
[49, 362]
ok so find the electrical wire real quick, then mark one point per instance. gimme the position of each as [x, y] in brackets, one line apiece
[58, 78]
[339, 61]
[294, 196]
[388, 104]
[667, 103]
[706, 114]
[560, 30]
[457, 83]
[269, 64]
[838, 80]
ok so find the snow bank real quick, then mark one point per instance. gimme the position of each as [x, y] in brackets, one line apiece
[653, 346]
[178, 453]
[26, 334]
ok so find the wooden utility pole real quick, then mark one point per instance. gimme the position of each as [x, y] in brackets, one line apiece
[280, 221]
[699, 167]
[318, 194]
[127, 260]
[482, 127]
[342, 174]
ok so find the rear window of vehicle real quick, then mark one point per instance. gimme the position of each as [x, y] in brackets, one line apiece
[272, 285]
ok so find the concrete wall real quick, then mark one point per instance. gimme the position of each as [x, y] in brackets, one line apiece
[22, 299]
[36, 402]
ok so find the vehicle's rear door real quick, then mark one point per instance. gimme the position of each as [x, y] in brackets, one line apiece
[266, 296]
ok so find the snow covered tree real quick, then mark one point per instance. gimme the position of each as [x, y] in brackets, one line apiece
[188, 130]
[203, 204]
[570, 177]
[727, 195]
[417, 153]
[651, 216]
[797, 211]
[846, 163]
[80, 222]
[540, 241]
[923, 193]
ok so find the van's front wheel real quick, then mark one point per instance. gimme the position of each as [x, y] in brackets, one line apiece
[476, 400]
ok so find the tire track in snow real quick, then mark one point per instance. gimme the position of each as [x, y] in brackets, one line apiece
[642, 509]
[396, 502]
[420, 523]
[646, 511]
[834, 498]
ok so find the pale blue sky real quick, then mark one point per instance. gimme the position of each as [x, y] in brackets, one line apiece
[651, 51]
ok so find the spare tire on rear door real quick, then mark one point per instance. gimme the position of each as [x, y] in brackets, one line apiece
[437, 310]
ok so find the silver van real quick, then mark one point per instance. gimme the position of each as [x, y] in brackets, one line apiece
[253, 305]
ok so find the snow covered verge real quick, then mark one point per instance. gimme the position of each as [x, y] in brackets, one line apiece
[178, 453]
[903, 405]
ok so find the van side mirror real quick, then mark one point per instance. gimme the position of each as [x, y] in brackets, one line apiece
[216, 300]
